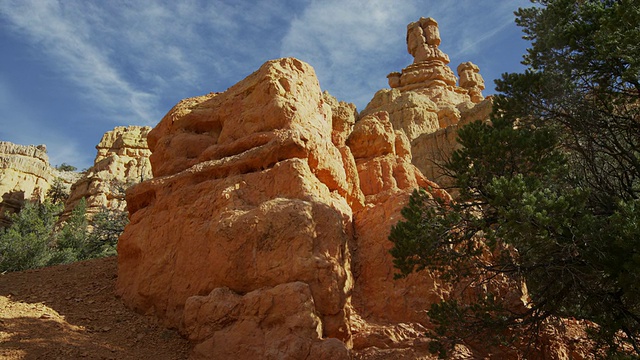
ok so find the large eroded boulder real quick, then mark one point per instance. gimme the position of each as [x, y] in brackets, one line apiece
[246, 204]
[249, 194]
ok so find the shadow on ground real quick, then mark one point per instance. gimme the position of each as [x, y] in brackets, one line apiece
[71, 312]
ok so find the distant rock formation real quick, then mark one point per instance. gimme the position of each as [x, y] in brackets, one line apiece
[471, 80]
[122, 160]
[25, 174]
[263, 233]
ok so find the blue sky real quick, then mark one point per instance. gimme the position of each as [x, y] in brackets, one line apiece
[71, 70]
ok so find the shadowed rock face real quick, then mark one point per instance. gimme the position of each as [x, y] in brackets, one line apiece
[263, 233]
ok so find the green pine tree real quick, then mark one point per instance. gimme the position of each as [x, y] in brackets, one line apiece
[27, 243]
[549, 191]
[72, 239]
[108, 224]
[58, 192]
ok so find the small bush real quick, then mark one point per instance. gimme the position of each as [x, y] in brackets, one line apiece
[32, 240]
[66, 167]
[72, 238]
[26, 244]
[107, 227]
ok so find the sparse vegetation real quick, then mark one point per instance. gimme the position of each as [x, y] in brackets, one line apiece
[108, 224]
[32, 240]
[70, 242]
[26, 244]
[66, 167]
[58, 192]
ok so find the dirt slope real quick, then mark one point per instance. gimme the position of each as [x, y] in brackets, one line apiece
[71, 312]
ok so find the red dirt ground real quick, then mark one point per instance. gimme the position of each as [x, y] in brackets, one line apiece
[71, 312]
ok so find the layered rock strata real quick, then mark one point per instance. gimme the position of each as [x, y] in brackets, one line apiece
[249, 193]
[122, 159]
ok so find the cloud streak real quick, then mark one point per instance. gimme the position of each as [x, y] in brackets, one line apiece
[62, 32]
[353, 45]
[349, 43]
[470, 33]
[26, 126]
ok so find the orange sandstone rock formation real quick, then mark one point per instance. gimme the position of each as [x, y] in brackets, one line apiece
[263, 233]
[431, 150]
[249, 194]
[426, 98]
[254, 194]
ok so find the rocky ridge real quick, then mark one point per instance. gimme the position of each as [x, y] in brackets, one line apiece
[263, 233]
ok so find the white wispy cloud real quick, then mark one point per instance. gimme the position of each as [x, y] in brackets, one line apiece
[26, 126]
[354, 44]
[62, 31]
[129, 62]
[348, 43]
[127, 56]
[469, 33]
